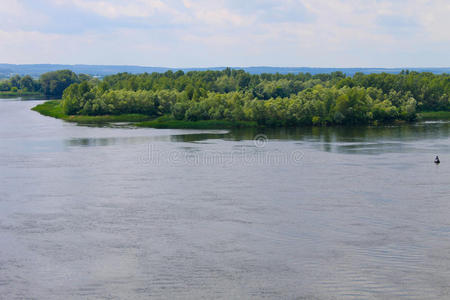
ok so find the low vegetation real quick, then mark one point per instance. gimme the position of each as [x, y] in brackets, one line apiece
[20, 94]
[170, 122]
[53, 108]
[434, 115]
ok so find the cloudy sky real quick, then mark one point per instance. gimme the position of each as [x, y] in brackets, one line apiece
[195, 33]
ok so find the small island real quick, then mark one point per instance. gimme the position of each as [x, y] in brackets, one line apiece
[234, 98]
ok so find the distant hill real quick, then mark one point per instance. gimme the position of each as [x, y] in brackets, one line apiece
[35, 70]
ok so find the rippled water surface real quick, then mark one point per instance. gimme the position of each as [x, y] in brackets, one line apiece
[123, 213]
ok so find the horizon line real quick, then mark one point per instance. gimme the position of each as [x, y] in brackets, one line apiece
[215, 67]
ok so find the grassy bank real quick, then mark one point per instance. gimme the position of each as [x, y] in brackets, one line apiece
[21, 94]
[54, 109]
[434, 115]
[168, 122]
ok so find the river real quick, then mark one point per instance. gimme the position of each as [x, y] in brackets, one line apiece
[116, 212]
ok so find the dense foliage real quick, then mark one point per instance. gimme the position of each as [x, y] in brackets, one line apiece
[22, 84]
[51, 84]
[268, 99]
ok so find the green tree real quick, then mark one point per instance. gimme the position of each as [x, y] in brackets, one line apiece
[27, 83]
[15, 81]
[54, 83]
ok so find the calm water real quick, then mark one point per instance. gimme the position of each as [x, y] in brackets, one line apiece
[124, 213]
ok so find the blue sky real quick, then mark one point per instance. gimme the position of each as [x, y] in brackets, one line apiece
[196, 33]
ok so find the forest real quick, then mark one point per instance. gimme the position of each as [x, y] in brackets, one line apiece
[49, 85]
[266, 99]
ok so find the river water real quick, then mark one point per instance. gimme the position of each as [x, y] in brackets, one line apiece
[116, 212]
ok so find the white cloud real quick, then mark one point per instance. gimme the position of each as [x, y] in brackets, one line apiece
[117, 9]
[15, 14]
[231, 32]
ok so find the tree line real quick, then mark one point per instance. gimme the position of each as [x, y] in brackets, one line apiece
[50, 85]
[235, 95]
[313, 106]
[268, 99]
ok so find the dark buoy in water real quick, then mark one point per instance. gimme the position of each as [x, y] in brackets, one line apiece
[436, 160]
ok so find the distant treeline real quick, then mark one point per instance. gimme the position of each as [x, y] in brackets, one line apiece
[50, 85]
[268, 99]
[35, 70]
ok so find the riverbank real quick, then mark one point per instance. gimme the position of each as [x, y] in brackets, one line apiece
[21, 94]
[54, 109]
[434, 115]
[169, 122]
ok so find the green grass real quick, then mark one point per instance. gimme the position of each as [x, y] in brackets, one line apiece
[54, 109]
[108, 118]
[50, 108]
[21, 94]
[169, 122]
[434, 115]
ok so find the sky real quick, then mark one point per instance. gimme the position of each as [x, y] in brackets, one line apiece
[210, 33]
